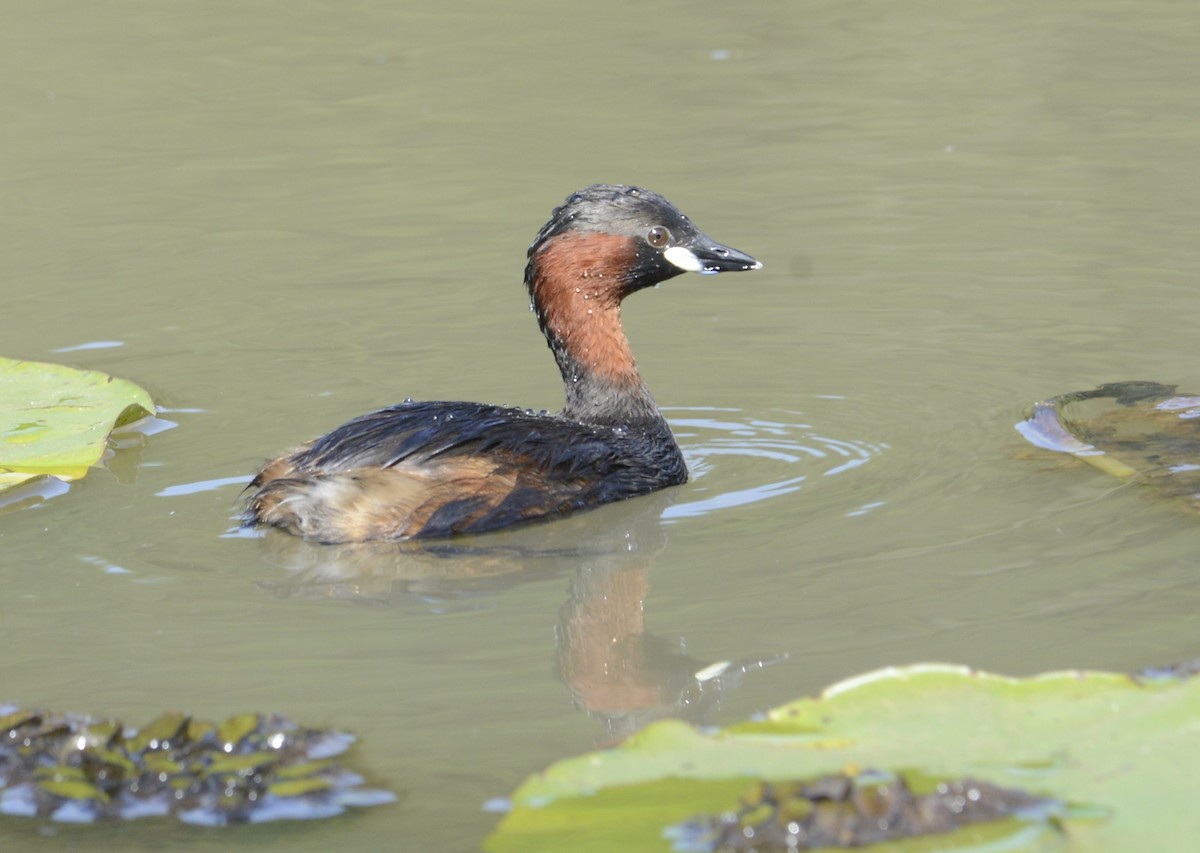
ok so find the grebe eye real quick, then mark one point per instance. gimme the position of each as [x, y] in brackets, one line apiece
[658, 237]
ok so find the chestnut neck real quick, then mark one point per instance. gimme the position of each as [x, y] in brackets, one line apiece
[577, 281]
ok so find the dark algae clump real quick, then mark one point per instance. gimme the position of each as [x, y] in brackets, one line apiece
[843, 810]
[249, 769]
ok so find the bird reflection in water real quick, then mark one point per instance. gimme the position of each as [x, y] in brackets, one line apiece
[615, 670]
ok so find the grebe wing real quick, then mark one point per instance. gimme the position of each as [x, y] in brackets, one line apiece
[423, 432]
[439, 469]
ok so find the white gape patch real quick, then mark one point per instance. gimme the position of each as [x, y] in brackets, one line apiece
[684, 259]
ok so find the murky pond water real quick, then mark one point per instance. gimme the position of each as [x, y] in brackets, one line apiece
[279, 216]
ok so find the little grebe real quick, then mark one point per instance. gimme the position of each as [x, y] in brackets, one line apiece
[444, 468]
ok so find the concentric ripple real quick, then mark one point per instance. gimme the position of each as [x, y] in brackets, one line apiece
[775, 457]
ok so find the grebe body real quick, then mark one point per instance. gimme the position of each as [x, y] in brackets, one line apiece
[433, 469]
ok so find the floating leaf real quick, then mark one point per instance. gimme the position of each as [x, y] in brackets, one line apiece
[240, 765]
[55, 420]
[234, 729]
[1118, 748]
[200, 729]
[59, 773]
[161, 733]
[71, 789]
[15, 721]
[103, 733]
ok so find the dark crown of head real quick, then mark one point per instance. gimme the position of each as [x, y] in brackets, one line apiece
[614, 209]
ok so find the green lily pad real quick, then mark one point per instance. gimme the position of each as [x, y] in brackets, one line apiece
[1119, 749]
[1139, 432]
[55, 420]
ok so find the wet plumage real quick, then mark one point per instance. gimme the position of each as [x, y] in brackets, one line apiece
[431, 469]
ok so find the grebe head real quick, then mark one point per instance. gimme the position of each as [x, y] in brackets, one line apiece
[603, 243]
[659, 242]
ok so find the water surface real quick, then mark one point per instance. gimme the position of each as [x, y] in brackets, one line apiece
[276, 217]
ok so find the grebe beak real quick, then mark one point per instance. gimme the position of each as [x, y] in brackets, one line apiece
[704, 255]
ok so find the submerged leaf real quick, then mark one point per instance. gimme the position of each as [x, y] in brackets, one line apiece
[308, 768]
[1140, 432]
[55, 420]
[297, 787]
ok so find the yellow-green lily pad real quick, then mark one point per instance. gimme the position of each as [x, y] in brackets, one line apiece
[1117, 749]
[55, 420]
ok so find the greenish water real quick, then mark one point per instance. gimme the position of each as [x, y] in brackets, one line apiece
[290, 213]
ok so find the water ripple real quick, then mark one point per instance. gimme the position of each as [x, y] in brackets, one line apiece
[776, 458]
